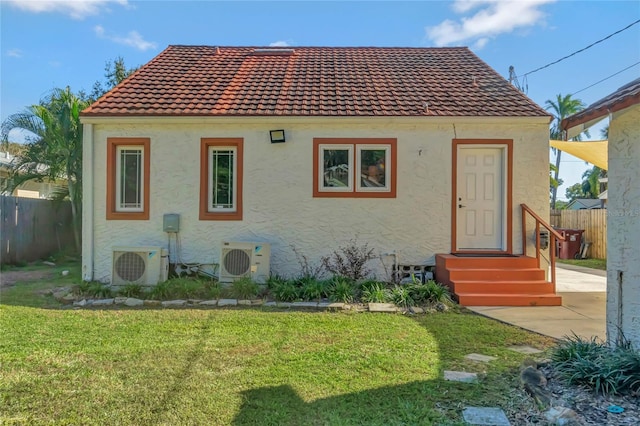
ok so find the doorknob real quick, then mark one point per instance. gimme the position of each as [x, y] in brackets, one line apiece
[461, 206]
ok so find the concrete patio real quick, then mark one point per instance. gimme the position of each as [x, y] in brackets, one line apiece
[583, 309]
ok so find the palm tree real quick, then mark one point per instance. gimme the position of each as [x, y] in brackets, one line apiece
[563, 107]
[54, 146]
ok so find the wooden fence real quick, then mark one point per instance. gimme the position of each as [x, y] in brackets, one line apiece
[32, 229]
[594, 223]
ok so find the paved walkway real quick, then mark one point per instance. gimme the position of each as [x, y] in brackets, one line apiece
[583, 309]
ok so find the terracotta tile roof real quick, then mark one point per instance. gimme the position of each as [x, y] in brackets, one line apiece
[624, 97]
[314, 81]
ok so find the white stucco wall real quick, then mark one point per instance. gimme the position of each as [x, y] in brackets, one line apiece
[278, 204]
[623, 227]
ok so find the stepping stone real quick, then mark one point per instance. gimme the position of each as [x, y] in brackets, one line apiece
[485, 416]
[228, 302]
[460, 376]
[525, 349]
[382, 307]
[304, 304]
[480, 358]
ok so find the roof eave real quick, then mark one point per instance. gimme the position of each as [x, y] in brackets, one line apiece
[594, 114]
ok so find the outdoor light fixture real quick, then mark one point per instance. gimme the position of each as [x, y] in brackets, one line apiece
[277, 136]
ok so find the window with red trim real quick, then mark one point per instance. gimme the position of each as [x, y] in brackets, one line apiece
[128, 178]
[221, 178]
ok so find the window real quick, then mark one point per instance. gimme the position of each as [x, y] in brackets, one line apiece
[128, 178]
[221, 179]
[354, 168]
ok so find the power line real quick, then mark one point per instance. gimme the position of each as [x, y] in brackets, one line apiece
[605, 79]
[583, 49]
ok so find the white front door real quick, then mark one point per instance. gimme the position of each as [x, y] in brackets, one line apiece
[480, 195]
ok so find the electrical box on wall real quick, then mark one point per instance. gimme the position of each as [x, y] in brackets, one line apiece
[171, 222]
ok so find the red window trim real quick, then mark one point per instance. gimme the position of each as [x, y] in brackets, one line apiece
[112, 147]
[205, 144]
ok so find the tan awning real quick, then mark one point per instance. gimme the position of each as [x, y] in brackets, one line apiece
[594, 152]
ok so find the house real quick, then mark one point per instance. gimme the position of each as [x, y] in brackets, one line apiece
[416, 152]
[29, 189]
[584, 204]
[623, 204]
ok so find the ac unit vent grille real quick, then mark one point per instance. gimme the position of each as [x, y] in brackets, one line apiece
[130, 266]
[237, 262]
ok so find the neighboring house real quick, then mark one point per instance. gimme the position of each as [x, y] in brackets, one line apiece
[30, 189]
[415, 151]
[623, 209]
[584, 204]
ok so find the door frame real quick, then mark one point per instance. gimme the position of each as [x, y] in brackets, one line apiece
[507, 146]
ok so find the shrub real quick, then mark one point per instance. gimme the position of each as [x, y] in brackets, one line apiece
[312, 288]
[286, 291]
[99, 290]
[599, 367]
[274, 280]
[131, 290]
[212, 289]
[401, 296]
[375, 293]
[244, 288]
[430, 292]
[349, 260]
[162, 291]
[82, 288]
[341, 289]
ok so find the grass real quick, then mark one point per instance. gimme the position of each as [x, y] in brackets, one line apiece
[587, 263]
[248, 367]
[245, 366]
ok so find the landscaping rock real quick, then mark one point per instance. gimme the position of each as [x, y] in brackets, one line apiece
[80, 303]
[336, 305]
[441, 307]
[132, 301]
[460, 376]
[173, 303]
[152, 303]
[68, 298]
[119, 300]
[382, 307]
[60, 293]
[244, 302]
[486, 416]
[102, 302]
[271, 304]
[534, 383]
[304, 304]
[257, 302]
[523, 349]
[227, 302]
[417, 310]
[209, 303]
[46, 262]
[562, 416]
[283, 305]
[193, 301]
[65, 273]
[480, 357]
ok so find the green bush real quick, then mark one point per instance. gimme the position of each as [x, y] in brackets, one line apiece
[244, 288]
[286, 291]
[275, 280]
[375, 292]
[82, 289]
[597, 366]
[131, 290]
[341, 289]
[429, 293]
[401, 296]
[99, 290]
[311, 288]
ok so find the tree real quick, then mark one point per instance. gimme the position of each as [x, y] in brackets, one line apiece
[591, 186]
[54, 146]
[563, 107]
[575, 191]
[115, 72]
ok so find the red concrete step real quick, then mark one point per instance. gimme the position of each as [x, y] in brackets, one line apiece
[474, 299]
[503, 287]
[497, 274]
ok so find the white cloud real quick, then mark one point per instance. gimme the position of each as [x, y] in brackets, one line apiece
[132, 39]
[279, 43]
[494, 17]
[14, 53]
[77, 9]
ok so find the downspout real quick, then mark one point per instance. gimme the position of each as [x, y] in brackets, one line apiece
[87, 202]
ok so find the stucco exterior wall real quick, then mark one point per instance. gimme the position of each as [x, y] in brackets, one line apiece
[623, 227]
[278, 204]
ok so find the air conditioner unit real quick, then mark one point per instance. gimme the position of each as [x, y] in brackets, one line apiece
[139, 265]
[239, 260]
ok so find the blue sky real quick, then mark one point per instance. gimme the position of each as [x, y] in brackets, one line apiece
[47, 44]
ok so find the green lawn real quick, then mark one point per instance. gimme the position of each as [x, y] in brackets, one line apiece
[250, 367]
[587, 263]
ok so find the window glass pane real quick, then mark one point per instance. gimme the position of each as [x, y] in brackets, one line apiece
[222, 179]
[336, 168]
[372, 168]
[130, 179]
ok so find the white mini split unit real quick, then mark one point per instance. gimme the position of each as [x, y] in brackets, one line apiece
[145, 266]
[239, 260]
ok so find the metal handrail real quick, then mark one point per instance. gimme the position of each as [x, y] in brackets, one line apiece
[553, 234]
